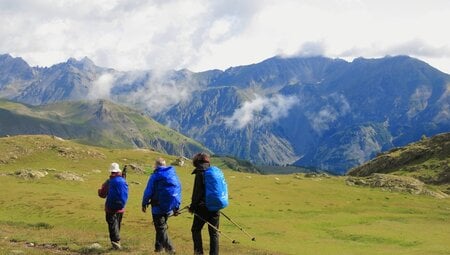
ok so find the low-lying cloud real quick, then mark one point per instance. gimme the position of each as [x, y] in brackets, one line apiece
[101, 88]
[161, 92]
[152, 91]
[261, 110]
[416, 47]
[312, 49]
[336, 106]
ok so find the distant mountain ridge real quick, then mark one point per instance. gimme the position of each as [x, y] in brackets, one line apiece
[315, 112]
[100, 123]
[345, 113]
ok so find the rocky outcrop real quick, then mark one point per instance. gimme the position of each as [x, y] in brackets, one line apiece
[29, 174]
[394, 183]
[134, 168]
[67, 176]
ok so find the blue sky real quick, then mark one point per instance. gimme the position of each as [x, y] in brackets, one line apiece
[201, 35]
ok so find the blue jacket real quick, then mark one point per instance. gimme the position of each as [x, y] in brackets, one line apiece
[163, 190]
[117, 194]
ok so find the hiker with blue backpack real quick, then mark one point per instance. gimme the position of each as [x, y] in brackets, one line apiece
[210, 194]
[163, 193]
[115, 190]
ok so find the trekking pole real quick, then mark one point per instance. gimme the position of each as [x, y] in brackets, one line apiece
[215, 228]
[237, 225]
[179, 211]
[124, 172]
[184, 208]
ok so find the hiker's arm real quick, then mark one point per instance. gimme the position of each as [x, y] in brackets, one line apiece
[148, 193]
[197, 192]
[103, 191]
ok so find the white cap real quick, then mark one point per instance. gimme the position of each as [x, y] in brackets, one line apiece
[114, 168]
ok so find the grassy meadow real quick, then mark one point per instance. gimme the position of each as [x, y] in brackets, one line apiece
[287, 214]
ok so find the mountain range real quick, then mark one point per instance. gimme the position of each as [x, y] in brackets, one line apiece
[316, 112]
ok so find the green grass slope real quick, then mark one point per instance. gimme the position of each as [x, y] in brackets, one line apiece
[100, 123]
[287, 214]
[427, 160]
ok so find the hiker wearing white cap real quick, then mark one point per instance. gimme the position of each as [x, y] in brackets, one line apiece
[115, 190]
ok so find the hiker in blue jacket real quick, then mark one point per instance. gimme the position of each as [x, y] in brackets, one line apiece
[163, 193]
[115, 190]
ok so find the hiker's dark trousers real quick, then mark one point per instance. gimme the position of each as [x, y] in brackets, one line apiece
[114, 220]
[162, 240]
[197, 225]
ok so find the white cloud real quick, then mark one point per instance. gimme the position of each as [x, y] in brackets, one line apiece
[321, 121]
[155, 91]
[101, 88]
[416, 48]
[159, 91]
[336, 106]
[311, 49]
[261, 110]
[206, 34]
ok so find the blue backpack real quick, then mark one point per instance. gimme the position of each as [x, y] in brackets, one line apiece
[168, 192]
[216, 189]
[164, 190]
[117, 193]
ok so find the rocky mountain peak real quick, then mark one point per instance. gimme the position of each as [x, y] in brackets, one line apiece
[84, 63]
[12, 68]
[103, 111]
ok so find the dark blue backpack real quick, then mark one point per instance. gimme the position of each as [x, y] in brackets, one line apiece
[216, 189]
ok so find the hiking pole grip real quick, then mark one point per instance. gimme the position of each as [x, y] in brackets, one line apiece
[215, 228]
[184, 208]
[124, 171]
[179, 211]
[237, 225]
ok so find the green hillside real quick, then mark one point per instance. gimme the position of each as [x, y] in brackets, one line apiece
[100, 123]
[427, 160]
[288, 214]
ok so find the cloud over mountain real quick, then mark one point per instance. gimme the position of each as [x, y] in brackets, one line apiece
[337, 106]
[261, 110]
[101, 87]
[415, 47]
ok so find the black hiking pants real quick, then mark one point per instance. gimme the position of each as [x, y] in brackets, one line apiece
[197, 225]
[162, 240]
[114, 220]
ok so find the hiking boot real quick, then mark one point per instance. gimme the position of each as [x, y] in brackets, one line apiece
[116, 245]
[171, 252]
